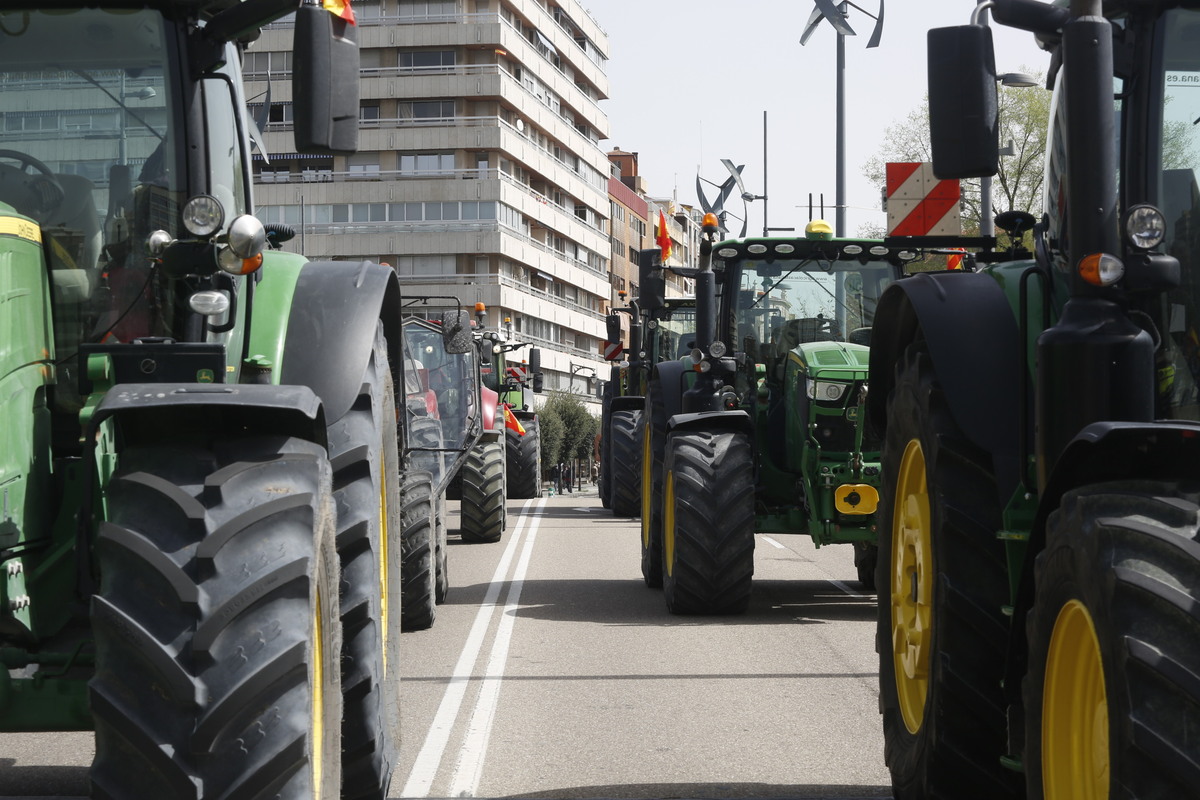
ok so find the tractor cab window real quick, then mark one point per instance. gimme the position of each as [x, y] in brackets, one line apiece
[1179, 166]
[673, 335]
[782, 304]
[88, 151]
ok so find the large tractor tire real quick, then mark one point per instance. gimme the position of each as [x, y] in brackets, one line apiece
[523, 455]
[624, 453]
[483, 503]
[654, 447]
[708, 522]
[866, 562]
[941, 634]
[216, 624]
[419, 546]
[604, 482]
[442, 559]
[364, 452]
[1112, 696]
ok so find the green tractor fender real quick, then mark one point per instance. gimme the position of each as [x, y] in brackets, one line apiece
[315, 321]
[968, 326]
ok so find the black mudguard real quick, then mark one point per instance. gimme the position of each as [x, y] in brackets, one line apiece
[629, 402]
[737, 420]
[331, 329]
[161, 411]
[974, 342]
[672, 376]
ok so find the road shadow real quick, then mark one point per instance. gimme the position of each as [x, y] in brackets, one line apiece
[701, 791]
[42, 780]
[630, 602]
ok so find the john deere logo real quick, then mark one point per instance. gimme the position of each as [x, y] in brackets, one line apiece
[852, 413]
[204, 376]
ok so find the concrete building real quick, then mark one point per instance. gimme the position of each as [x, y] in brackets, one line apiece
[479, 172]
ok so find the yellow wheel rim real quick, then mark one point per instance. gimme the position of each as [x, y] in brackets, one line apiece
[647, 489]
[1075, 754]
[318, 698]
[668, 524]
[912, 587]
[383, 563]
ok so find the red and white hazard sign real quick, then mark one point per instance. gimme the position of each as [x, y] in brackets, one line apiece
[918, 204]
[612, 351]
[518, 372]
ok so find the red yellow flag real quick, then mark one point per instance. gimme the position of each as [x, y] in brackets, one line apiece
[664, 236]
[511, 421]
[340, 8]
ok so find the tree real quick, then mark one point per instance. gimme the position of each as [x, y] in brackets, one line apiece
[1024, 118]
[567, 428]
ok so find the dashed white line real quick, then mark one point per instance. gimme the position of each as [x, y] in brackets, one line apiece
[467, 774]
[429, 759]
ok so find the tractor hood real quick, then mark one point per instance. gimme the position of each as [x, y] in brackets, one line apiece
[836, 360]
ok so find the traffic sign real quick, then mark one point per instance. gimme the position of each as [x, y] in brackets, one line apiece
[918, 204]
[612, 351]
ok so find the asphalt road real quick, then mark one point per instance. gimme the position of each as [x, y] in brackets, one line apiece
[553, 672]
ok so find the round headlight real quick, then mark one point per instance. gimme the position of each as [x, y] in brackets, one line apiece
[247, 236]
[203, 215]
[652, 324]
[716, 349]
[1145, 226]
[697, 355]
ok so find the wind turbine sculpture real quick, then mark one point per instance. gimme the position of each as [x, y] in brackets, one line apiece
[836, 14]
[724, 189]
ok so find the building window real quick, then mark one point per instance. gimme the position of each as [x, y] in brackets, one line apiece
[427, 59]
[427, 8]
[427, 109]
[426, 163]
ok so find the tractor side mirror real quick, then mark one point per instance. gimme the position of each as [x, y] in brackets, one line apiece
[964, 130]
[325, 82]
[456, 331]
[613, 324]
[535, 369]
[652, 281]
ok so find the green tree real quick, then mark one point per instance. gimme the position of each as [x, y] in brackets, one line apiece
[1024, 116]
[567, 429]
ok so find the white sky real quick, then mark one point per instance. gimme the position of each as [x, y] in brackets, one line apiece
[690, 79]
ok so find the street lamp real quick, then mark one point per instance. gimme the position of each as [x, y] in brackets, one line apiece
[987, 223]
[591, 379]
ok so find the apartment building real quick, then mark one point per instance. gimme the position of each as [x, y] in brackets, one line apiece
[479, 172]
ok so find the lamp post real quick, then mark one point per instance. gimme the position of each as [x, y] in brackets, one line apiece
[577, 368]
[987, 223]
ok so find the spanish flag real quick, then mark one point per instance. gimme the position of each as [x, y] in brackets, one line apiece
[511, 421]
[340, 8]
[664, 237]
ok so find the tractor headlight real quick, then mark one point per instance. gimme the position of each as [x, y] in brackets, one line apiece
[247, 236]
[716, 349]
[203, 215]
[826, 390]
[1145, 227]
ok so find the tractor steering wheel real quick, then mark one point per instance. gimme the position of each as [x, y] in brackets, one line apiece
[36, 195]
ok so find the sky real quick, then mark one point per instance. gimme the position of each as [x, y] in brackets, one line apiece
[690, 80]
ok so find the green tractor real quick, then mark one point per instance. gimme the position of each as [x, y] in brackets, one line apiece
[664, 334]
[203, 495]
[759, 428]
[1039, 570]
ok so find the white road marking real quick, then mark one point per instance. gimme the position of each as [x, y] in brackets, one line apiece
[468, 772]
[838, 584]
[429, 759]
[772, 542]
